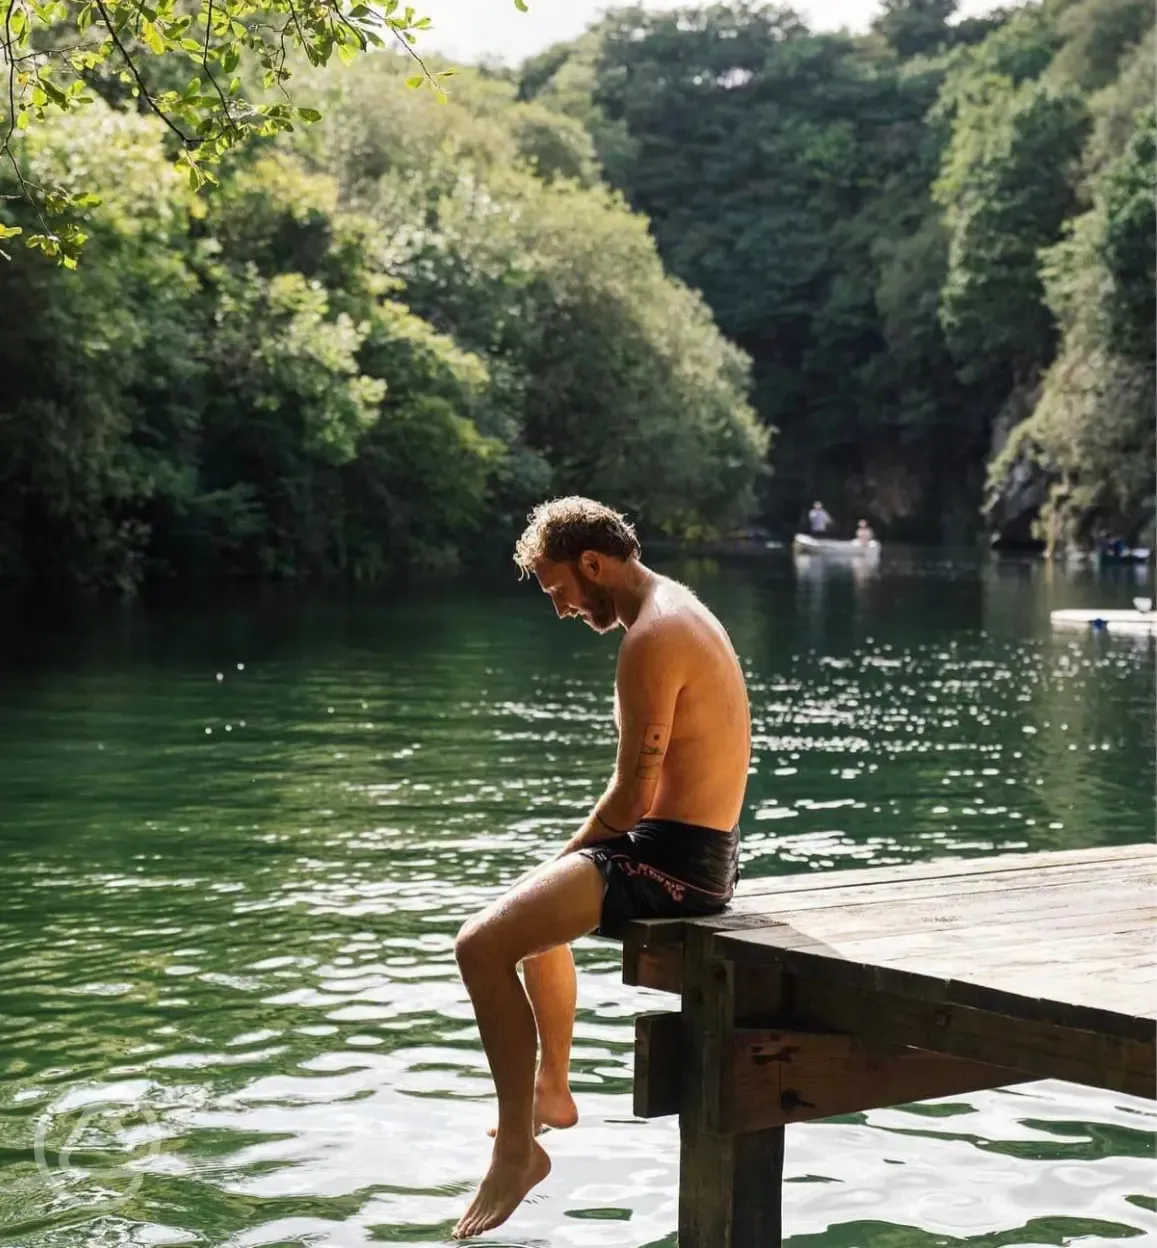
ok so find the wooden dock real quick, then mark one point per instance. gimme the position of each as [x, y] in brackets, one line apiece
[823, 994]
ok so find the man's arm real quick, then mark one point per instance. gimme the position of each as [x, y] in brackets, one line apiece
[647, 681]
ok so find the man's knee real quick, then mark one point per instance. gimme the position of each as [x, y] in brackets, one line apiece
[477, 944]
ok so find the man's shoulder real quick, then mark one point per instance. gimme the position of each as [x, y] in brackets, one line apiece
[667, 626]
[652, 633]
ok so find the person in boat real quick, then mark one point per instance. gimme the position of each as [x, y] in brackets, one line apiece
[864, 533]
[818, 519]
[661, 841]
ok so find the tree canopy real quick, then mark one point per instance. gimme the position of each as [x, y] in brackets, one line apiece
[705, 263]
[371, 348]
[875, 220]
[213, 72]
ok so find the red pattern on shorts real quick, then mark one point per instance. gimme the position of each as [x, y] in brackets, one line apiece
[676, 888]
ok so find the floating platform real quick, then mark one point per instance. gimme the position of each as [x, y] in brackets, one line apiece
[830, 993]
[1114, 620]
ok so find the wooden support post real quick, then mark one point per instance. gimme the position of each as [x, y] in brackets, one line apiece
[730, 1186]
[658, 1083]
[661, 967]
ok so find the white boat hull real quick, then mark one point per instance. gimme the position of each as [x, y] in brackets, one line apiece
[804, 544]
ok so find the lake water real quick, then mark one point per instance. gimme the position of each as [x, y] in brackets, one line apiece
[237, 841]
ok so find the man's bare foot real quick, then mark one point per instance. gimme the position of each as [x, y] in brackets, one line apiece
[502, 1190]
[553, 1107]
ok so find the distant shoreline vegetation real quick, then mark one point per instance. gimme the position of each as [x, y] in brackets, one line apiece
[705, 264]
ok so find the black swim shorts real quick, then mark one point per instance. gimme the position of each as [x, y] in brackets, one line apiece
[664, 869]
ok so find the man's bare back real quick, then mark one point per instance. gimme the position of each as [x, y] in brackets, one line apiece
[703, 772]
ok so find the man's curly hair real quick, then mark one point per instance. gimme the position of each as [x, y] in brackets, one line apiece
[562, 528]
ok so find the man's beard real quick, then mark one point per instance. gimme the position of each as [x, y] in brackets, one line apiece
[598, 604]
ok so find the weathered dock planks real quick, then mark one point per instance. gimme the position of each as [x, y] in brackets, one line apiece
[824, 994]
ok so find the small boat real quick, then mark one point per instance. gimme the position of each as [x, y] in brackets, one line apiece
[805, 544]
[1140, 620]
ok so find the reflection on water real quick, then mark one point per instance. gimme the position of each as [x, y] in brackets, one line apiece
[238, 842]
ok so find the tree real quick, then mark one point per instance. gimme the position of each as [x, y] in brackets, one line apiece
[914, 27]
[1092, 430]
[784, 173]
[100, 369]
[214, 72]
[1005, 190]
[369, 350]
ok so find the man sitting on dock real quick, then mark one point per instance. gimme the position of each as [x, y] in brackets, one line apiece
[662, 840]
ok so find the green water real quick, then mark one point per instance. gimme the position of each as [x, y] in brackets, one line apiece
[237, 841]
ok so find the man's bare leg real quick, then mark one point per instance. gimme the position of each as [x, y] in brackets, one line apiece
[552, 989]
[551, 908]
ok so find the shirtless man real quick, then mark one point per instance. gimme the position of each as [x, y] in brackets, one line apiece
[662, 841]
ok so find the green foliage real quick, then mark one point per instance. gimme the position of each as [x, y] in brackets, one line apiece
[1092, 430]
[369, 350]
[1128, 246]
[915, 27]
[1114, 108]
[380, 338]
[1096, 35]
[609, 364]
[83, 409]
[213, 71]
[1005, 191]
[866, 217]
[785, 174]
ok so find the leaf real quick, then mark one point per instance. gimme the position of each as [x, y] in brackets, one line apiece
[10, 231]
[415, 80]
[522, 6]
[309, 114]
[152, 36]
[47, 243]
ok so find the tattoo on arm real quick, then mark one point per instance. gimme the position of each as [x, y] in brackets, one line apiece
[652, 751]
